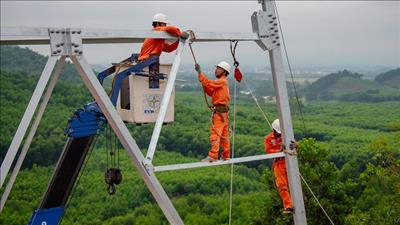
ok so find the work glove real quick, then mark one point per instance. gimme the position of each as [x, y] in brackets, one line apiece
[197, 68]
[185, 35]
[293, 145]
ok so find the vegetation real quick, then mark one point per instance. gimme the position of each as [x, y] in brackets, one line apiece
[349, 154]
[16, 90]
[24, 60]
[390, 78]
[347, 86]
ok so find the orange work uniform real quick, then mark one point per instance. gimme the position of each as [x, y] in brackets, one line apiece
[219, 134]
[152, 46]
[273, 145]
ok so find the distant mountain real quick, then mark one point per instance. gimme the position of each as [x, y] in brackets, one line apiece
[348, 86]
[14, 58]
[390, 78]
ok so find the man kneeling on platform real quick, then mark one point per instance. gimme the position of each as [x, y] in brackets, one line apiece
[219, 129]
[153, 47]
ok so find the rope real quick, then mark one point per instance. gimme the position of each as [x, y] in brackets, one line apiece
[258, 105]
[107, 146]
[236, 64]
[209, 106]
[290, 69]
[233, 152]
[315, 197]
[195, 61]
[215, 129]
[118, 148]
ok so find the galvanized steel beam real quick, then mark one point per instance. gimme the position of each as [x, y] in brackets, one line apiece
[40, 36]
[32, 131]
[26, 119]
[164, 103]
[126, 139]
[217, 163]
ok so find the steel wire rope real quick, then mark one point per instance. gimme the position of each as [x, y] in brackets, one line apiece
[233, 151]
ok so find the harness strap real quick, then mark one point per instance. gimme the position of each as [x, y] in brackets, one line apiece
[220, 108]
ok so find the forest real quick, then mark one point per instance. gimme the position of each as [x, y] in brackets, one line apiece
[349, 154]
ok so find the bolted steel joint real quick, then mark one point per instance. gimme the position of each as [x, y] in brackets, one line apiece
[65, 41]
[265, 24]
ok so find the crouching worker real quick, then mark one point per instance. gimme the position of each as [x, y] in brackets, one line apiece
[219, 129]
[153, 47]
[273, 144]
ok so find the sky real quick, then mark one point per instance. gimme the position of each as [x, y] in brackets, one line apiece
[317, 33]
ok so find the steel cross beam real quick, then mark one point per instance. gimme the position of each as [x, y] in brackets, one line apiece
[32, 131]
[164, 103]
[125, 138]
[267, 39]
[217, 163]
[40, 36]
[67, 43]
[26, 119]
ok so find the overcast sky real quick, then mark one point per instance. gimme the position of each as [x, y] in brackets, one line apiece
[335, 33]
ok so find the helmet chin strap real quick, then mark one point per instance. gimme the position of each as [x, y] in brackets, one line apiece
[221, 74]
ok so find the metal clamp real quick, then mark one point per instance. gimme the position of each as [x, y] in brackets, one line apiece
[192, 36]
[148, 166]
[290, 152]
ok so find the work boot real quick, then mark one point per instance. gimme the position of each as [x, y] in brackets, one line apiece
[209, 159]
[287, 211]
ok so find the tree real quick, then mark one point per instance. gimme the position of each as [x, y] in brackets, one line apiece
[322, 176]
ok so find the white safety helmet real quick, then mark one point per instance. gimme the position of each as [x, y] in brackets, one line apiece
[276, 126]
[160, 17]
[224, 65]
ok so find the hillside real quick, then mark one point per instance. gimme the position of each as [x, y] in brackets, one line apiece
[348, 152]
[16, 90]
[14, 58]
[348, 86]
[390, 78]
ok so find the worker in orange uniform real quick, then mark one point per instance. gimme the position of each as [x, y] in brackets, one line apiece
[219, 91]
[273, 144]
[153, 47]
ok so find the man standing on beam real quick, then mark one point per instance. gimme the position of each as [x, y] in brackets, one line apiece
[219, 129]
